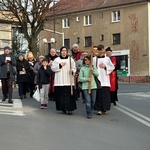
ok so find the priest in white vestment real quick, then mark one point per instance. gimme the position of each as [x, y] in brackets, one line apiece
[105, 67]
[65, 69]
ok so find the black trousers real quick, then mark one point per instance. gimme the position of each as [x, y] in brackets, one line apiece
[7, 87]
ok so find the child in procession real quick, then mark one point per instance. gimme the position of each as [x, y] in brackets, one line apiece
[43, 82]
[85, 79]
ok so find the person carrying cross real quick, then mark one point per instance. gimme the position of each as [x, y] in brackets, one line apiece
[85, 79]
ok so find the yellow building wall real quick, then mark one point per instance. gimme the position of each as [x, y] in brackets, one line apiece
[5, 36]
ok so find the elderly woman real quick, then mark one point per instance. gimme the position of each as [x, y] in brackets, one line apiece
[22, 76]
[31, 75]
[37, 67]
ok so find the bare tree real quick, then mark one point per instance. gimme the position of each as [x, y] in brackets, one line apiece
[31, 16]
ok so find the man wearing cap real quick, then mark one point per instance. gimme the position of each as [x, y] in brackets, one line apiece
[7, 61]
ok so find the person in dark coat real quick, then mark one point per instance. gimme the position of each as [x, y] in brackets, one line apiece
[50, 57]
[7, 63]
[37, 67]
[22, 76]
[31, 75]
[76, 55]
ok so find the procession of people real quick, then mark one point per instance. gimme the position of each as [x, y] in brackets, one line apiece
[63, 78]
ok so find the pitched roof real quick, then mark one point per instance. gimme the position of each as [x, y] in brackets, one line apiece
[83, 5]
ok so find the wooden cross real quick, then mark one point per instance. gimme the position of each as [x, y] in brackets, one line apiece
[91, 52]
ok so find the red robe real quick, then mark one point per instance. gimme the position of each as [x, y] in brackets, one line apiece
[113, 76]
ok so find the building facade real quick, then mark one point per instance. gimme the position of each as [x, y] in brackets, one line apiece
[123, 26]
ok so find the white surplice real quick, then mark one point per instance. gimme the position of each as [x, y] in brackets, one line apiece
[62, 75]
[104, 73]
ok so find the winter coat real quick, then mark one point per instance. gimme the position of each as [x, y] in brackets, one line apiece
[84, 75]
[31, 72]
[43, 75]
[35, 70]
[22, 64]
[3, 66]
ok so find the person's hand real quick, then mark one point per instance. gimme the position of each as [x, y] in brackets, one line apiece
[102, 65]
[89, 79]
[6, 61]
[40, 85]
[50, 63]
[23, 69]
[63, 63]
[71, 72]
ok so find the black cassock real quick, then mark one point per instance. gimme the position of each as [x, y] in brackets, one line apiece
[64, 100]
[102, 102]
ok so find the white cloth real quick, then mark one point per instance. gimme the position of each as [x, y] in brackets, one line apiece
[62, 75]
[104, 74]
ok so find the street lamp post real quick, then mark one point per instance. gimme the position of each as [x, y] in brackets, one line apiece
[61, 33]
[45, 42]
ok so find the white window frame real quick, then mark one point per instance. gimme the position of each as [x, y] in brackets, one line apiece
[116, 16]
[87, 20]
[77, 19]
[65, 23]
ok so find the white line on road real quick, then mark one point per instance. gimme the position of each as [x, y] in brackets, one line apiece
[145, 120]
[12, 109]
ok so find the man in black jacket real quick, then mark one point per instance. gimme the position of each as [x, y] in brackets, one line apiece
[7, 63]
[43, 82]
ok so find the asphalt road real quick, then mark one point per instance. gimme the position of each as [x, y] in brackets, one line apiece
[24, 126]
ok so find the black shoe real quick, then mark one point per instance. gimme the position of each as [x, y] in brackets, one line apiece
[115, 104]
[4, 98]
[25, 96]
[89, 117]
[64, 111]
[21, 97]
[10, 101]
[69, 112]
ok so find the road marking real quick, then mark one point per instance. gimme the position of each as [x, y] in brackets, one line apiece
[12, 109]
[137, 116]
[138, 94]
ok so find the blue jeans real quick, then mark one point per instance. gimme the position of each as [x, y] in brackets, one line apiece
[89, 100]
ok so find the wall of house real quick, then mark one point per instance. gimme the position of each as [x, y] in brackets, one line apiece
[133, 26]
[5, 36]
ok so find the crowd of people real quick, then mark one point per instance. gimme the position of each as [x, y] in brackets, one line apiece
[63, 78]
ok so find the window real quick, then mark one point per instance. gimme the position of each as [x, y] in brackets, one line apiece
[88, 41]
[116, 38]
[87, 20]
[115, 16]
[77, 19]
[102, 37]
[67, 43]
[65, 23]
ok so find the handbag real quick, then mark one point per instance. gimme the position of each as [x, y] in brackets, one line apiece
[36, 95]
[98, 83]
